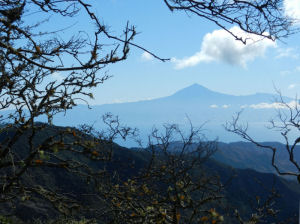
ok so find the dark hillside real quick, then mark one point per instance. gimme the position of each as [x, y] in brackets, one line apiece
[239, 192]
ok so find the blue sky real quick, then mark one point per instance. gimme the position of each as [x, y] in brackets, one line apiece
[201, 53]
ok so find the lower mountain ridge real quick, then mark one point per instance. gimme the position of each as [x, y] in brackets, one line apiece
[241, 186]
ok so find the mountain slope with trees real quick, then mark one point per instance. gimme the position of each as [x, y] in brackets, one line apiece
[241, 189]
[43, 166]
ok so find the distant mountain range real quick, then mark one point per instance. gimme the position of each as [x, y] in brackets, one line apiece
[195, 103]
[199, 105]
[245, 155]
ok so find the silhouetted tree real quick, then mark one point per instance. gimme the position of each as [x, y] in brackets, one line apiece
[172, 186]
[29, 59]
[287, 123]
[261, 17]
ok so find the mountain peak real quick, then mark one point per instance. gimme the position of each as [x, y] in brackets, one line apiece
[194, 90]
[196, 86]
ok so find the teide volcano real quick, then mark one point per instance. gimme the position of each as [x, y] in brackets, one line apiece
[197, 103]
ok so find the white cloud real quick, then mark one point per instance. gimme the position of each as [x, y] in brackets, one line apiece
[292, 9]
[226, 106]
[214, 106]
[292, 86]
[275, 105]
[147, 57]
[266, 106]
[191, 61]
[219, 45]
[287, 52]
